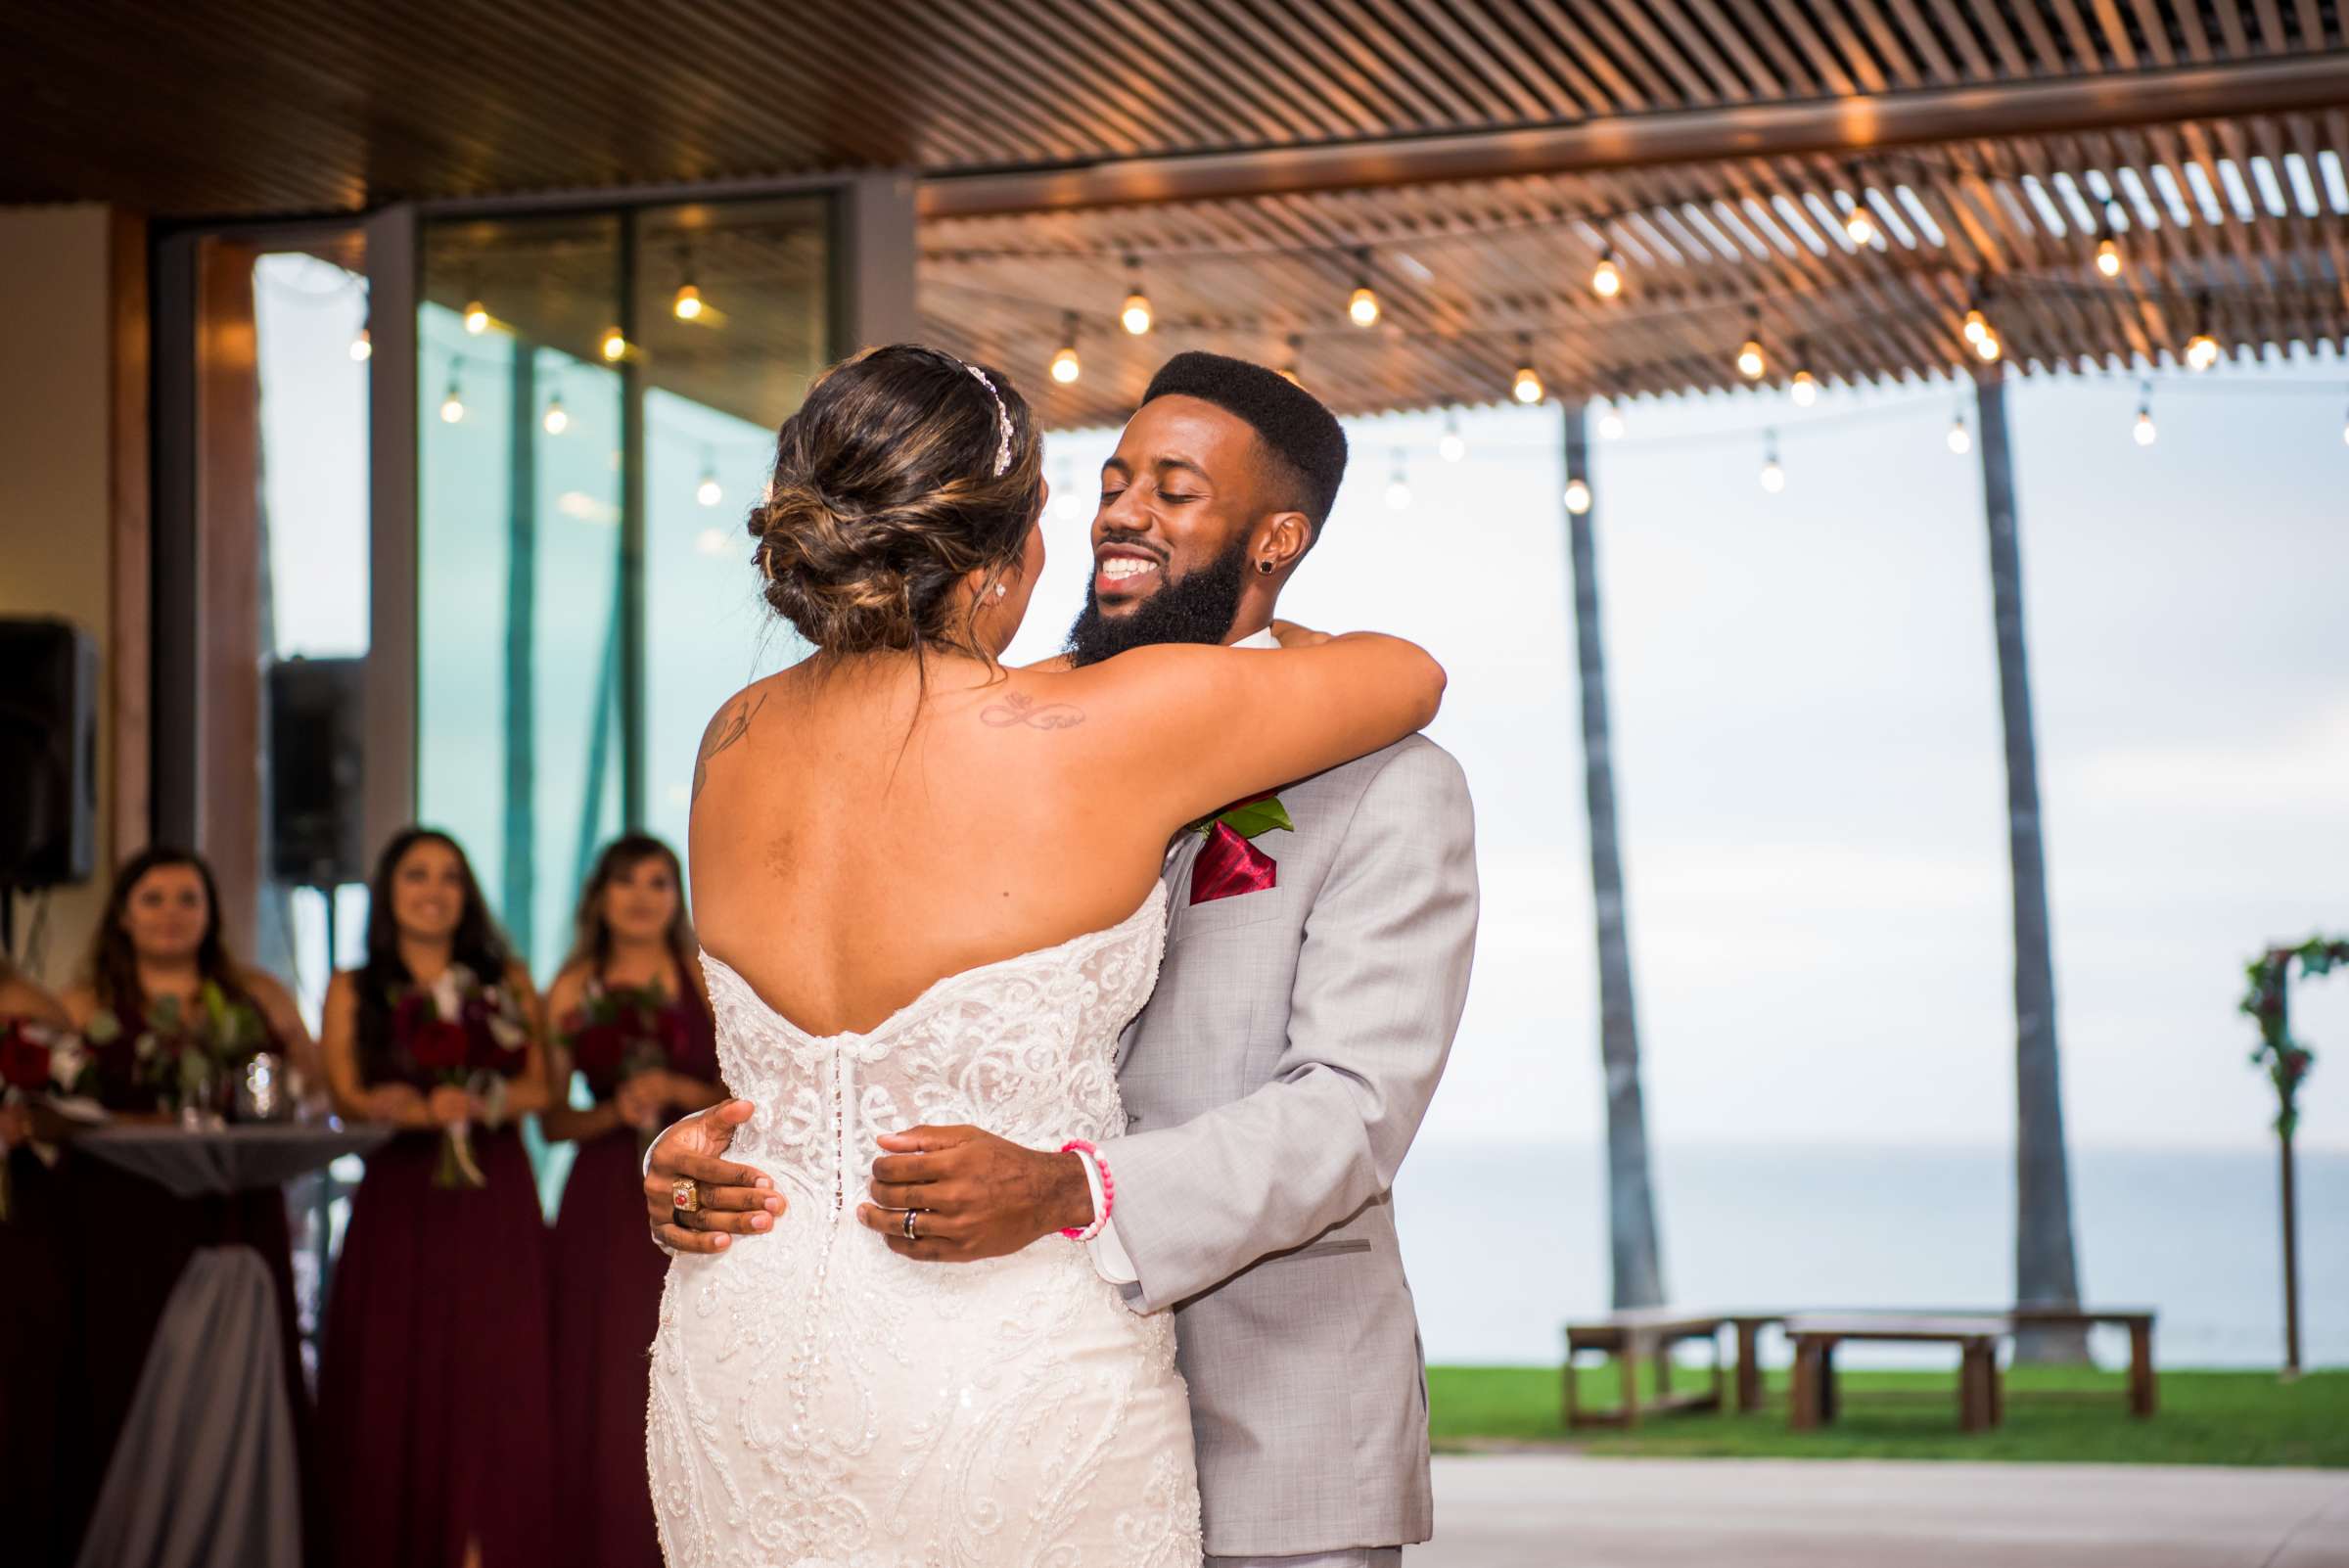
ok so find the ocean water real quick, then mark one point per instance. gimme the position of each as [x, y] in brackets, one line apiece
[1505, 1242]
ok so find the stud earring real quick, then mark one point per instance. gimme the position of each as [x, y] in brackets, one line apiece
[1264, 567]
[1000, 590]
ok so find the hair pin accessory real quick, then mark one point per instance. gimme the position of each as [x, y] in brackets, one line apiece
[1002, 421]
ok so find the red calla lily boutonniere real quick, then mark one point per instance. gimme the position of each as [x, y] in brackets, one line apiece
[1231, 864]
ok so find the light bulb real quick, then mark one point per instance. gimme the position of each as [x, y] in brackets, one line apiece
[708, 491]
[1988, 347]
[361, 346]
[1065, 368]
[1607, 280]
[1857, 224]
[1288, 373]
[2201, 350]
[1399, 493]
[615, 343]
[1361, 306]
[1578, 497]
[2108, 258]
[2144, 430]
[1750, 363]
[1452, 447]
[476, 318]
[1610, 426]
[452, 408]
[1527, 388]
[1773, 478]
[1977, 325]
[1804, 389]
[1962, 441]
[558, 418]
[688, 305]
[1135, 313]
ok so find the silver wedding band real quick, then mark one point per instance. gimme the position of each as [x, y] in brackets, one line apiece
[909, 1235]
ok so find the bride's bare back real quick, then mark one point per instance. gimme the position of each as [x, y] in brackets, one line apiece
[857, 838]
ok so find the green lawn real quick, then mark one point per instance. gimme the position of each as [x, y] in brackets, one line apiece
[2060, 1415]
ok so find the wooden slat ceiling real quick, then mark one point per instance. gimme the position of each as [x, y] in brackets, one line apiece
[203, 108]
[2246, 220]
[208, 107]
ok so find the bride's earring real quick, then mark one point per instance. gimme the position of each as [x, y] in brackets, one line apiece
[1001, 591]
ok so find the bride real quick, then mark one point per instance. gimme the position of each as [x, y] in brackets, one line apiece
[928, 890]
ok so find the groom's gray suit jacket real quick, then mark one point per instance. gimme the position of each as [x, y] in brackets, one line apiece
[1273, 1086]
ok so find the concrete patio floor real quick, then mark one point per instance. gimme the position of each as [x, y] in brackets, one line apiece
[1543, 1510]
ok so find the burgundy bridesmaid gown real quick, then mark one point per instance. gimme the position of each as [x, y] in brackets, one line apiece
[435, 1414]
[121, 1273]
[608, 1280]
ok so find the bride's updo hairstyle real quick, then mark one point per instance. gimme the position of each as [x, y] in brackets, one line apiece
[902, 474]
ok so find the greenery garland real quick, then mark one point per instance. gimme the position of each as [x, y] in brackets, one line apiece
[2286, 1059]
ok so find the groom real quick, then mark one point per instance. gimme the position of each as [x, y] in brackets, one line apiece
[1316, 965]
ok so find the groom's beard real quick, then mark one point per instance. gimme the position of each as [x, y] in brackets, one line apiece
[1198, 608]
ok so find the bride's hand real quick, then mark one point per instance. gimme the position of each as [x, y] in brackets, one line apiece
[1289, 634]
[736, 1200]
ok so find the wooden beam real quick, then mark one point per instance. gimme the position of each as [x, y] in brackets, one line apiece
[1854, 123]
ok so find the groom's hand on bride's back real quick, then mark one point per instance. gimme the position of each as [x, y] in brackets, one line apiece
[735, 1199]
[972, 1194]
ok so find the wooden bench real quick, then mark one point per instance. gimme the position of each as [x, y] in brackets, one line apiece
[1631, 1337]
[1812, 1403]
[2142, 1387]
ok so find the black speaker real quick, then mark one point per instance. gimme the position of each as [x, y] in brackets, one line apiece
[316, 782]
[48, 753]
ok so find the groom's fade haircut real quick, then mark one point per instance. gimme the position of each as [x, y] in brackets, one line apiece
[1303, 438]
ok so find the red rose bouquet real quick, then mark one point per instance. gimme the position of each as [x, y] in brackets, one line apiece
[468, 1036]
[36, 1059]
[619, 1033]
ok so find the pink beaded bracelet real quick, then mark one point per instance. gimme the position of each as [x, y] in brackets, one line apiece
[1109, 1190]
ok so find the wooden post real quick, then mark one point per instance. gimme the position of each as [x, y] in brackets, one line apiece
[1636, 1255]
[1749, 1365]
[2141, 1367]
[2292, 1267]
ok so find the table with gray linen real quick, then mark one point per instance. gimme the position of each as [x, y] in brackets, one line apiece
[203, 1475]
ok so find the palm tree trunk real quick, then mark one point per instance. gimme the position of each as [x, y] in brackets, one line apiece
[1636, 1257]
[2045, 1273]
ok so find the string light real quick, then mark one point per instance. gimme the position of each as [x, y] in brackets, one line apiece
[1578, 497]
[1607, 280]
[1065, 368]
[452, 408]
[477, 317]
[1977, 325]
[614, 344]
[362, 347]
[1134, 313]
[1962, 441]
[688, 305]
[1610, 423]
[1859, 225]
[1292, 370]
[1399, 487]
[2144, 431]
[1980, 332]
[1773, 478]
[2202, 350]
[1988, 349]
[1361, 306]
[1803, 388]
[1453, 447]
[1526, 387]
[557, 419]
[1750, 359]
[708, 491]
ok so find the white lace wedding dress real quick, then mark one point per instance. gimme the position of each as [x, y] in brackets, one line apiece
[819, 1402]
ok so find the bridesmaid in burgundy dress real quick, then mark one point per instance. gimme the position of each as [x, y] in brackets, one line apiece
[632, 1020]
[434, 1392]
[36, 1424]
[156, 952]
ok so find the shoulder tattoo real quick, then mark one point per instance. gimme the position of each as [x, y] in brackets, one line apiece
[1016, 708]
[733, 722]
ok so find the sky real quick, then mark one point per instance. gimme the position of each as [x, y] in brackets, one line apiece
[1809, 761]
[1808, 755]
